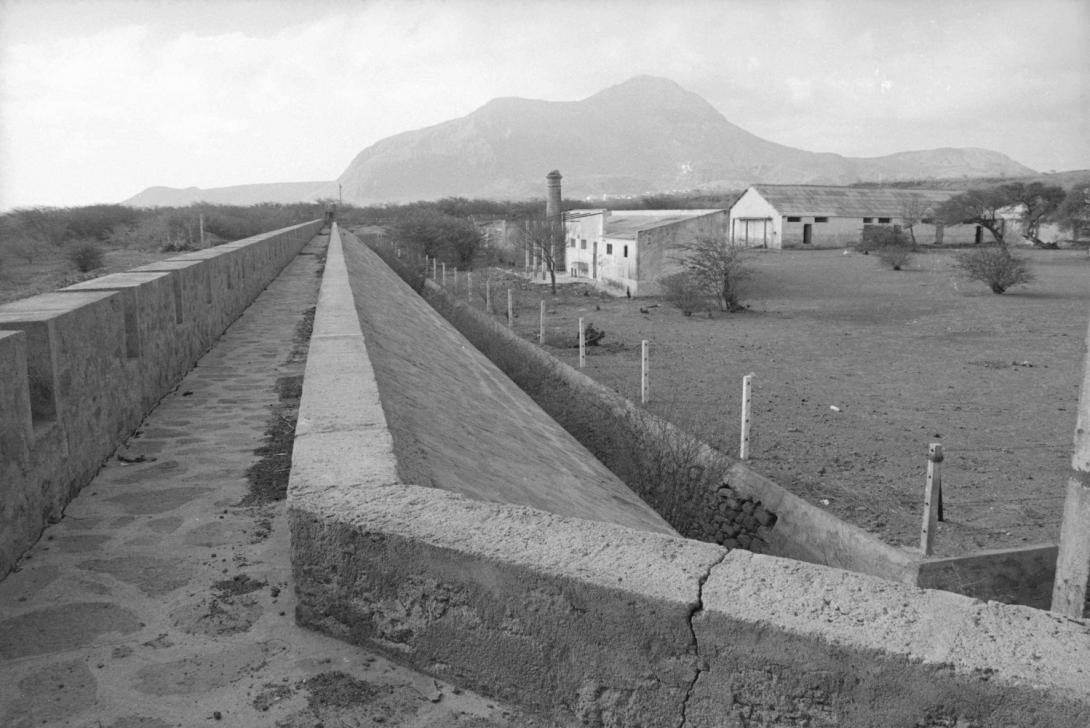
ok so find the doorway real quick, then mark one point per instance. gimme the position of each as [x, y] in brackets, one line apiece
[807, 233]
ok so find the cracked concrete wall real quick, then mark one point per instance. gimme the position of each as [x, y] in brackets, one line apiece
[92, 359]
[591, 623]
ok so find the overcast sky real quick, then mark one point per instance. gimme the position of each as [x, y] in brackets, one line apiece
[102, 98]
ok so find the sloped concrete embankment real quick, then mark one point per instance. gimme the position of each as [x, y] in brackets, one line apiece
[595, 623]
[710, 496]
[81, 367]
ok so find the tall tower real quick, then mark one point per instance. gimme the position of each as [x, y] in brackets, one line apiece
[552, 198]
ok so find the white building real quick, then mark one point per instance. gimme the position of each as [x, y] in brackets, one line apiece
[627, 251]
[795, 216]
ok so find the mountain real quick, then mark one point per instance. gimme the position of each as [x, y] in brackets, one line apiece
[236, 195]
[646, 134]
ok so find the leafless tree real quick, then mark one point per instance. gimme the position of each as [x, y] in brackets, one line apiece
[544, 239]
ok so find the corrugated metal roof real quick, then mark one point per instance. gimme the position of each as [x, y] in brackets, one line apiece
[811, 200]
[620, 225]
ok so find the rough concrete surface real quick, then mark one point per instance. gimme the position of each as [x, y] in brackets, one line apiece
[460, 424]
[159, 601]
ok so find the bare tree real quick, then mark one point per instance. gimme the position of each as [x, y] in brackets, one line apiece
[913, 211]
[717, 267]
[544, 239]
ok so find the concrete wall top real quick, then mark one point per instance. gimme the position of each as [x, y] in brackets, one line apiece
[47, 305]
[128, 279]
[168, 264]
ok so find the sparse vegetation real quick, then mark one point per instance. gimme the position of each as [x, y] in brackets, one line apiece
[717, 268]
[544, 239]
[891, 245]
[86, 255]
[997, 267]
[682, 292]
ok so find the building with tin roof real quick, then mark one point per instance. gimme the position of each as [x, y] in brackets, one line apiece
[789, 216]
[627, 251]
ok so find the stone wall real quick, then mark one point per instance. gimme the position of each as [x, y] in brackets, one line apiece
[592, 623]
[82, 366]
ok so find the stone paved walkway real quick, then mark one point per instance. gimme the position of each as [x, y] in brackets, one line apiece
[160, 600]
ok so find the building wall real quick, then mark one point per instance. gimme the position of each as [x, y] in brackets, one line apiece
[581, 234]
[754, 222]
[658, 249]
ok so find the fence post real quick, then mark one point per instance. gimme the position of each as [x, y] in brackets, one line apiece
[932, 498]
[488, 296]
[510, 309]
[747, 408]
[541, 324]
[455, 289]
[469, 287]
[434, 269]
[645, 373]
[582, 343]
[444, 275]
[1073, 562]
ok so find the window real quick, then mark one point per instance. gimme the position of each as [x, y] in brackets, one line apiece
[571, 242]
[883, 220]
[582, 244]
[609, 248]
[868, 220]
[626, 251]
[928, 221]
[821, 219]
[794, 219]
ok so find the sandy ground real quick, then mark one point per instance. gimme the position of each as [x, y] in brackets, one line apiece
[906, 358]
[164, 596]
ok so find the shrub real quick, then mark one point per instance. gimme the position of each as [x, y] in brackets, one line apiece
[995, 267]
[681, 291]
[893, 247]
[86, 256]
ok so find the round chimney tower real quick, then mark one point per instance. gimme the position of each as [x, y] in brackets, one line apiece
[552, 198]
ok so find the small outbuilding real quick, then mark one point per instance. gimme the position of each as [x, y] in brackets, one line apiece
[797, 216]
[627, 251]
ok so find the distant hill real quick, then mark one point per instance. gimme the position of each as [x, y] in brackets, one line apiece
[236, 195]
[645, 135]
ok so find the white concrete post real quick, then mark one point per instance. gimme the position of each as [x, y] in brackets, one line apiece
[541, 324]
[582, 343]
[1073, 562]
[444, 275]
[434, 269]
[747, 408]
[510, 308]
[932, 498]
[469, 287]
[488, 296]
[645, 372]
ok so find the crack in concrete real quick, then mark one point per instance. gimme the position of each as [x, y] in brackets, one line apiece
[697, 609]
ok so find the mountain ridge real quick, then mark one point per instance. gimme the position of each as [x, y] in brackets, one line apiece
[645, 135]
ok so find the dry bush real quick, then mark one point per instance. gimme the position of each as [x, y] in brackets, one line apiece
[996, 267]
[86, 255]
[682, 292]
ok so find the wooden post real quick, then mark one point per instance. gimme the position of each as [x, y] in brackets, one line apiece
[455, 279]
[444, 275]
[747, 408]
[469, 287]
[1073, 562]
[510, 309]
[541, 325]
[932, 498]
[202, 229]
[645, 372]
[488, 296]
[582, 343]
[434, 269]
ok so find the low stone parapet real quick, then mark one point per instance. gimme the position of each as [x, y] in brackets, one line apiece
[82, 366]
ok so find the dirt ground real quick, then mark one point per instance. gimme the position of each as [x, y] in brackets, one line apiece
[858, 369]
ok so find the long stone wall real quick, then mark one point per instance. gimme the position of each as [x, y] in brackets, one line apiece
[82, 366]
[593, 623]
